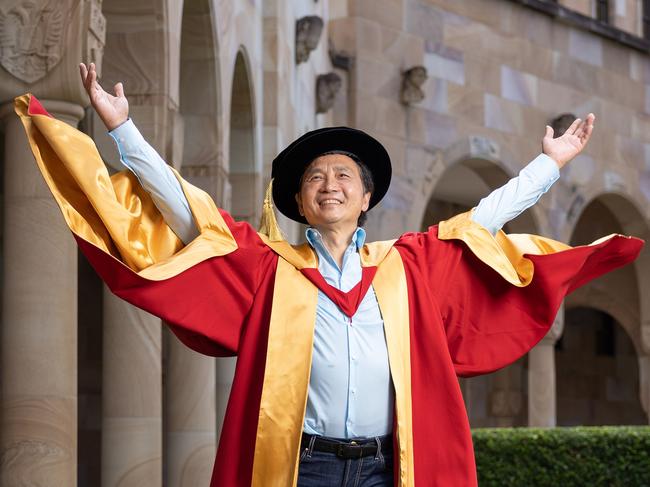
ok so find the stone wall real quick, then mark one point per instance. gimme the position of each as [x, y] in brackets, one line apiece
[219, 88]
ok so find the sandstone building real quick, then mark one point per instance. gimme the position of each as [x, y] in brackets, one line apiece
[95, 392]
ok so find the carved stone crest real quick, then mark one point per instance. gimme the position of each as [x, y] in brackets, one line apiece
[31, 39]
[412, 81]
[327, 86]
[308, 31]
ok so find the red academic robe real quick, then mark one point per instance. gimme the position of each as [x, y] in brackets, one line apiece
[454, 299]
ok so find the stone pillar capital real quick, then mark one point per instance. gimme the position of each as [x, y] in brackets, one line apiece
[43, 42]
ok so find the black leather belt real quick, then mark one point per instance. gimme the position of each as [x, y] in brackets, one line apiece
[346, 449]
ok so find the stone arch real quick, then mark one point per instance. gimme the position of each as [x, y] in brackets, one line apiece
[244, 183]
[487, 165]
[243, 168]
[200, 104]
[619, 294]
[473, 170]
[136, 54]
[190, 379]
[598, 374]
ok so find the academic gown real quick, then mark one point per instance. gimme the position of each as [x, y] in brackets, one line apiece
[455, 300]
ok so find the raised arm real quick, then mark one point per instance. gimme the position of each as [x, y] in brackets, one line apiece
[137, 155]
[523, 191]
[204, 290]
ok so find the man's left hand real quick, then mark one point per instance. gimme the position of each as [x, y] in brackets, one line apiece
[571, 143]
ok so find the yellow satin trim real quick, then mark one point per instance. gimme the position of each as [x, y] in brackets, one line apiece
[114, 213]
[300, 256]
[303, 256]
[503, 253]
[373, 253]
[392, 294]
[286, 378]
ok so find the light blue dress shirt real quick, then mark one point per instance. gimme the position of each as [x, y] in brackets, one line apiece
[350, 389]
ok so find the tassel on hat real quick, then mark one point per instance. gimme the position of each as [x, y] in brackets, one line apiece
[268, 223]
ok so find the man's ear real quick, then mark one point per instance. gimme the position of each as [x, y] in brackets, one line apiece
[366, 201]
[299, 201]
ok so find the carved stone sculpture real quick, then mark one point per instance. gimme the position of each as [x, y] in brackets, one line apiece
[327, 86]
[31, 39]
[96, 36]
[308, 31]
[341, 59]
[561, 123]
[412, 81]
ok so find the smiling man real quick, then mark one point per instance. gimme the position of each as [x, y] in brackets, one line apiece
[348, 352]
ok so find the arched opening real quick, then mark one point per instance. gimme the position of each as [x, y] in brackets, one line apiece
[199, 101]
[597, 356]
[597, 372]
[190, 379]
[244, 176]
[136, 54]
[462, 186]
[498, 399]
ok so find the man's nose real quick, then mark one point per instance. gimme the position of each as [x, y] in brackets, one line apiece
[330, 184]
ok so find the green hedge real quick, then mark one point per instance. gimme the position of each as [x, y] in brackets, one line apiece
[583, 456]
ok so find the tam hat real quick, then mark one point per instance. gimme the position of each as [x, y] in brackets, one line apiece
[290, 164]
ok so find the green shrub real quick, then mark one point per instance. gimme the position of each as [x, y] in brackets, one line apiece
[583, 456]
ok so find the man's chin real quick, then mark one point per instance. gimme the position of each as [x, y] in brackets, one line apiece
[328, 222]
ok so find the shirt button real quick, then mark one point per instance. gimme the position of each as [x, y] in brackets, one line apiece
[353, 391]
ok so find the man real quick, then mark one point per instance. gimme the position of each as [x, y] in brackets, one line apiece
[347, 352]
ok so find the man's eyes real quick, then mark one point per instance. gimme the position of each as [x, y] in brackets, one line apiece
[318, 177]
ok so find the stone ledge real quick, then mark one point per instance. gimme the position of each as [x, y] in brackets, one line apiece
[570, 17]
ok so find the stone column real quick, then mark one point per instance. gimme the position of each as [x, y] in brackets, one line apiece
[541, 378]
[131, 396]
[225, 375]
[541, 384]
[38, 364]
[644, 384]
[190, 415]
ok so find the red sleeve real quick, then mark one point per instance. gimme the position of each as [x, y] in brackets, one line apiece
[205, 305]
[489, 322]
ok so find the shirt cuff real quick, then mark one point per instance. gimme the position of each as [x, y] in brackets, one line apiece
[543, 170]
[127, 137]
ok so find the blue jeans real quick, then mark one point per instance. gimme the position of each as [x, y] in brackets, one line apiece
[322, 469]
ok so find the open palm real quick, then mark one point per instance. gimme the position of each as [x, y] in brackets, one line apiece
[113, 110]
[570, 144]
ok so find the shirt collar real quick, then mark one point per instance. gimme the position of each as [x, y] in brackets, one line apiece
[314, 237]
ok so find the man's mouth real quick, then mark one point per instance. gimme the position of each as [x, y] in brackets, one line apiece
[329, 202]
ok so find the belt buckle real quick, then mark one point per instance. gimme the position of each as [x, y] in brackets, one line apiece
[339, 450]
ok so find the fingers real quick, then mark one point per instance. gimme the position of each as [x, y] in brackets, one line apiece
[92, 76]
[573, 127]
[83, 71]
[588, 128]
[585, 127]
[549, 132]
[119, 90]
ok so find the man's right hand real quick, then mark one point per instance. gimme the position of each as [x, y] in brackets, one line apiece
[113, 110]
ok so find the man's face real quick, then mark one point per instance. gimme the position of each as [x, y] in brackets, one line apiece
[332, 193]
